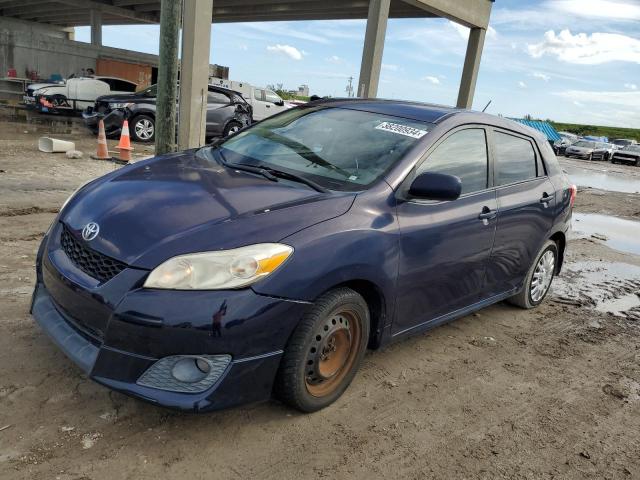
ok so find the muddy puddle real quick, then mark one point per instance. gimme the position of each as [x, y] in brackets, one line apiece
[608, 287]
[602, 179]
[617, 233]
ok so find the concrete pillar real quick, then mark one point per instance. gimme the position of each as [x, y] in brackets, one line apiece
[96, 27]
[194, 72]
[373, 48]
[471, 66]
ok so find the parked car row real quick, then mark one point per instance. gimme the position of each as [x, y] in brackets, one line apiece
[114, 99]
[618, 150]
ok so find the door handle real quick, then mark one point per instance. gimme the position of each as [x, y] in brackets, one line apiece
[546, 198]
[487, 214]
[268, 106]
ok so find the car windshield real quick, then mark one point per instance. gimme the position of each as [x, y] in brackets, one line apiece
[584, 144]
[338, 148]
[621, 142]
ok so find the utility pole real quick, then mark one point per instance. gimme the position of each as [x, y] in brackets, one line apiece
[170, 19]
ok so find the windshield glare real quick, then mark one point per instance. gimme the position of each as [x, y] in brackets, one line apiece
[339, 148]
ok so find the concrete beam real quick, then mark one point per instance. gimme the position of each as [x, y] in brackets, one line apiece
[194, 72]
[471, 67]
[373, 48]
[112, 10]
[96, 28]
[470, 13]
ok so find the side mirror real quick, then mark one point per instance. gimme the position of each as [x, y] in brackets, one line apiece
[436, 186]
[279, 103]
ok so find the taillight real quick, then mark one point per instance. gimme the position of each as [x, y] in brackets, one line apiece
[574, 192]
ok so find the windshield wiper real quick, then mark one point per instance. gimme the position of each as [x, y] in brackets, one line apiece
[270, 173]
[247, 168]
[295, 178]
[302, 150]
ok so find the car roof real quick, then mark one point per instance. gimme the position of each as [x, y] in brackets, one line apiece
[99, 77]
[223, 89]
[428, 112]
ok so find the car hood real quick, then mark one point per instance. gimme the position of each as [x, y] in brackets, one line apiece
[126, 97]
[580, 149]
[187, 202]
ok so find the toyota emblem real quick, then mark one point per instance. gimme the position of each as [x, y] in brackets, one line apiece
[90, 231]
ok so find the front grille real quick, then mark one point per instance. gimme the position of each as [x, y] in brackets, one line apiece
[92, 263]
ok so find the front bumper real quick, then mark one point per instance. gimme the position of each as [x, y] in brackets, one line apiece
[112, 120]
[145, 326]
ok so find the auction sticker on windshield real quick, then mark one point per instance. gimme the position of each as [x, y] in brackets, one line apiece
[402, 129]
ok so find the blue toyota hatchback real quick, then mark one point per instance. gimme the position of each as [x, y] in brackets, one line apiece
[268, 263]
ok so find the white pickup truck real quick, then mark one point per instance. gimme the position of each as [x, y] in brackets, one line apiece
[264, 102]
[76, 93]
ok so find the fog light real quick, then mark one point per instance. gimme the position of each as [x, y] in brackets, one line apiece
[190, 370]
[185, 373]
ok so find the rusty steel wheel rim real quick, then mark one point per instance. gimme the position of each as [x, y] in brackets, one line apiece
[332, 353]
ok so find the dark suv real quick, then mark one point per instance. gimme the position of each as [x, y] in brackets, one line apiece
[227, 112]
[269, 262]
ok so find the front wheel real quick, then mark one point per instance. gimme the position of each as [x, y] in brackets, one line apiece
[539, 278]
[324, 352]
[143, 128]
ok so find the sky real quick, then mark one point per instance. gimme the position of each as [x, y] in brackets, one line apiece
[568, 60]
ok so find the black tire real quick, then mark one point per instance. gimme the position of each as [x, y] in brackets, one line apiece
[524, 299]
[231, 128]
[142, 128]
[299, 382]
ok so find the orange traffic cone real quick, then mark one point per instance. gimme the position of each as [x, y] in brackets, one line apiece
[124, 146]
[103, 151]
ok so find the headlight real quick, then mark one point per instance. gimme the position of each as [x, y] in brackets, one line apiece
[119, 106]
[221, 270]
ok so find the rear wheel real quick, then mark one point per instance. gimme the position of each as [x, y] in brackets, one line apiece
[231, 128]
[324, 352]
[538, 281]
[143, 128]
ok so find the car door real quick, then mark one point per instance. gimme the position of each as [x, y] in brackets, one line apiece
[259, 105]
[526, 201]
[219, 111]
[445, 245]
[274, 103]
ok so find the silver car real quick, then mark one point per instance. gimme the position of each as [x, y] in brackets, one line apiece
[582, 149]
[603, 151]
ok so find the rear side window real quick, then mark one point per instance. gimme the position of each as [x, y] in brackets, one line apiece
[515, 159]
[217, 97]
[258, 94]
[463, 154]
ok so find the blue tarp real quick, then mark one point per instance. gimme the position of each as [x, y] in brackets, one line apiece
[544, 127]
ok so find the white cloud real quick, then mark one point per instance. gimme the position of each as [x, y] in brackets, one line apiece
[621, 10]
[334, 59]
[521, 84]
[613, 108]
[541, 76]
[288, 50]
[434, 80]
[390, 67]
[586, 49]
[284, 29]
[625, 99]
[631, 86]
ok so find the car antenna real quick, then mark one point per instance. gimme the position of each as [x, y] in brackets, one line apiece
[487, 105]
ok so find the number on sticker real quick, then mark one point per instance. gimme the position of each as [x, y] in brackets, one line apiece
[402, 130]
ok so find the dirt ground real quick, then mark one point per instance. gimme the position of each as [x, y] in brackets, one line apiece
[503, 393]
